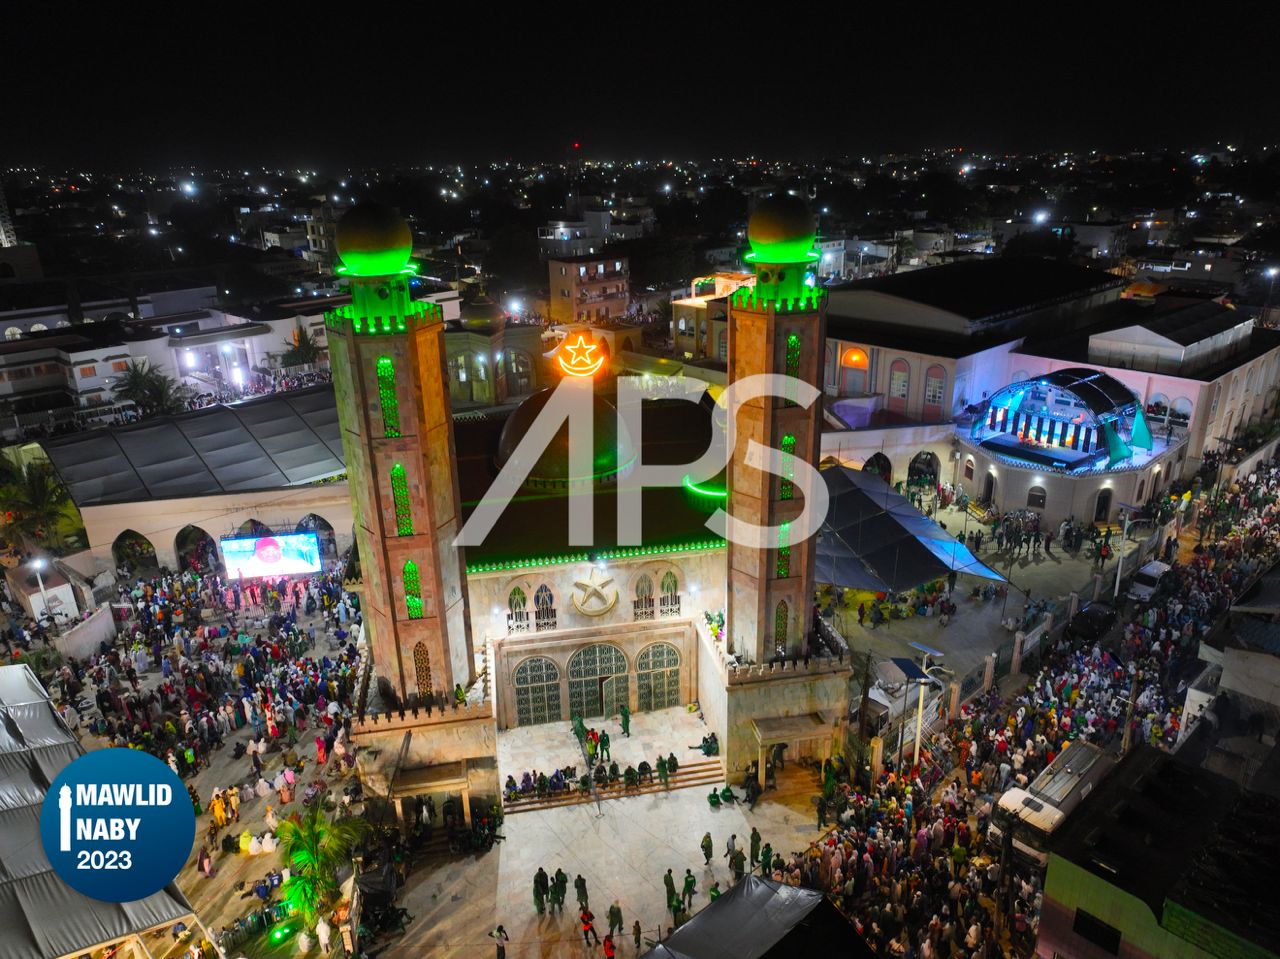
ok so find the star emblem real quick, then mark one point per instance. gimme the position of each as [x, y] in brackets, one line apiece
[593, 589]
[581, 351]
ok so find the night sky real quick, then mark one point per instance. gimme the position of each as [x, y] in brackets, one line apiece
[181, 86]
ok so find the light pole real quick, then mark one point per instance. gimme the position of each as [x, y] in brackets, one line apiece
[1271, 288]
[1124, 538]
[38, 564]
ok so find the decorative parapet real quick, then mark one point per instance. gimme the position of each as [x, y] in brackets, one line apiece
[395, 720]
[734, 673]
[747, 297]
[346, 319]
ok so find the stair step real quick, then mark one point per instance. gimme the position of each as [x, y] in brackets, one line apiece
[704, 773]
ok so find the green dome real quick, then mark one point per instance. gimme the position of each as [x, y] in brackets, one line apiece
[373, 240]
[782, 230]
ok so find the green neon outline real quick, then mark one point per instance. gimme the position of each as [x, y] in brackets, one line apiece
[690, 485]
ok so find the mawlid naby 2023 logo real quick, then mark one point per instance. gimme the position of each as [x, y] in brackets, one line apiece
[117, 825]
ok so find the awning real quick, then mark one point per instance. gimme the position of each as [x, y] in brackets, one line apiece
[874, 539]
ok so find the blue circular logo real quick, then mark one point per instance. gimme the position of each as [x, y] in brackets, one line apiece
[117, 825]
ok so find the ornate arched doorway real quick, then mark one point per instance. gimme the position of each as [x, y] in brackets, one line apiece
[537, 683]
[658, 677]
[597, 681]
[879, 464]
[196, 550]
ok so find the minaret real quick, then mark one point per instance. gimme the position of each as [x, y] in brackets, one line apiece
[389, 379]
[778, 327]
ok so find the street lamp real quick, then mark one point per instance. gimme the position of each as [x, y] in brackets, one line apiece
[38, 564]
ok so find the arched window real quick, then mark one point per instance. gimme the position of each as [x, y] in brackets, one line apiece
[422, 669]
[588, 694]
[40, 327]
[544, 608]
[1142, 488]
[387, 398]
[780, 616]
[517, 612]
[642, 605]
[899, 385]
[658, 677]
[537, 684]
[13, 333]
[669, 603]
[400, 500]
[783, 565]
[1180, 410]
[481, 373]
[786, 486]
[854, 359]
[968, 468]
[935, 388]
[1036, 497]
[412, 590]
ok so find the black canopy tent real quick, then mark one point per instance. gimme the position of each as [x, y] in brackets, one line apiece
[762, 919]
[874, 539]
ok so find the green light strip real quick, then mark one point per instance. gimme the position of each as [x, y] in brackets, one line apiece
[619, 552]
[690, 485]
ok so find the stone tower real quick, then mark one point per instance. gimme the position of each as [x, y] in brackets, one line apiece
[777, 327]
[386, 353]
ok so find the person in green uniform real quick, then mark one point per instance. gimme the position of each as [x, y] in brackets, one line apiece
[670, 882]
[766, 859]
[690, 884]
[707, 847]
[603, 748]
[738, 863]
[615, 918]
[662, 770]
[755, 845]
[580, 887]
[626, 721]
[714, 891]
[561, 886]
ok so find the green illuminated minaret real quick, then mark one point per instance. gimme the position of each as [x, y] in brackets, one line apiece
[397, 433]
[778, 327]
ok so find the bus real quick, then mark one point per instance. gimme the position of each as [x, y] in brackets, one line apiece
[1035, 812]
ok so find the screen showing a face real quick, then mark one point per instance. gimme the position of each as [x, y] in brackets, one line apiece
[288, 554]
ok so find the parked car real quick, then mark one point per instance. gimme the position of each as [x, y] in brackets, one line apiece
[1146, 581]
[1092, 622]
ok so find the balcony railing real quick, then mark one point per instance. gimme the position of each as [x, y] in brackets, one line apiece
[585, 297]
[642, 608]
[545, 620]
[669, 606]
[518, 622]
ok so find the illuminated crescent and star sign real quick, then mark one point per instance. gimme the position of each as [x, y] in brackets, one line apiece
[580, 363]
[597, 599]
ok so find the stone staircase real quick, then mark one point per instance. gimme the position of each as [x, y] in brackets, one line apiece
[703, 774]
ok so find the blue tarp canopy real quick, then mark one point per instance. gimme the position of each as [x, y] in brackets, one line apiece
[874, 539]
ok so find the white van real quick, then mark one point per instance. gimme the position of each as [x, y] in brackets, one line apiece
[1147, 580]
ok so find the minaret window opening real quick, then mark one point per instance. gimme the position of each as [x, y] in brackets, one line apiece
[783, 565]
[786, 488]
[422, 667]
[792, 365]
[412, 590]
[544, 609]
[669, 603]
[400, 499]
[517, 612]
[387, 397]
[780, 622]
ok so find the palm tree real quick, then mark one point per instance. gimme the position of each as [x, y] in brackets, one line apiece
[316, 848]
[35, 500]
[302, 349]
[133, 382]
[153, 391]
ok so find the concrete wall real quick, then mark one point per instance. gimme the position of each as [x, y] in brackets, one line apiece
[161, 520]
[83, 639]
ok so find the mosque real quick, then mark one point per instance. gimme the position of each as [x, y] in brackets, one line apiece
[533, 628]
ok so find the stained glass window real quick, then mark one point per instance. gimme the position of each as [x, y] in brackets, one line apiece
[784, 551]
[422, 667]
[786, 489]
[412, 590]
[387, 397]
[400, 499]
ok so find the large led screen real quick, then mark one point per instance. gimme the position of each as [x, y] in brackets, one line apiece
[287, 554]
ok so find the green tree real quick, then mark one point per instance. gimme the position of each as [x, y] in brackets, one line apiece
[302, 349]
[35, 500]
[152, 391]
[316, 849]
